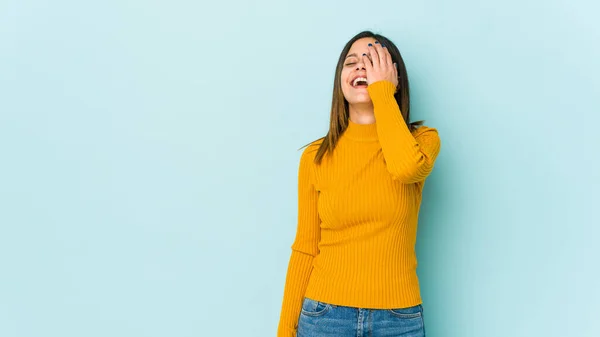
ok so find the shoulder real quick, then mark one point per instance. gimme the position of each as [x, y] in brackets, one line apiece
[425, 131]
[428, 138]
[310, 151]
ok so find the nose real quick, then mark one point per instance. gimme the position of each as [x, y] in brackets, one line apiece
[360, 64]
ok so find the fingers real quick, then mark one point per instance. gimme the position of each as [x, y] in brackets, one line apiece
[385, 56]
[382, 53]
[381, 56]
[380, 63]
[368, 64]
[368, 67]
[374, 55]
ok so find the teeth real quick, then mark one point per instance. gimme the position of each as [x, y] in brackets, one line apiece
[358, 79]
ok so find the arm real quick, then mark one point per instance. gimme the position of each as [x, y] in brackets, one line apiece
[304, 248]
[409, 158]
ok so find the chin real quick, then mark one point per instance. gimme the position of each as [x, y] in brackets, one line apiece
[361, 99]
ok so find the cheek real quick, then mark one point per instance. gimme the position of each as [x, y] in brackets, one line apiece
[344, 79]
[344, 73]
[345, 85]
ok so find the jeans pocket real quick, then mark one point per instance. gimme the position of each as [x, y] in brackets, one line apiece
[410, 312]
[314, 308]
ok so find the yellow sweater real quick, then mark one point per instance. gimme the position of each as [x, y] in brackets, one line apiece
[357, 215]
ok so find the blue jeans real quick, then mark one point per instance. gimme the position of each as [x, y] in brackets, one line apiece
[319, 319]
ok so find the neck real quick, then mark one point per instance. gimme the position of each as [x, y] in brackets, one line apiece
[362, 113]
[364, 132]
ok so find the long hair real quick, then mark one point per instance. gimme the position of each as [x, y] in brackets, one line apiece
[339, 105]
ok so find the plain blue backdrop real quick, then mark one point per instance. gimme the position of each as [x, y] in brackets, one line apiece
[149, 161]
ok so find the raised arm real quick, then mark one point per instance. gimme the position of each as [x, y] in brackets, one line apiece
[304, 248]
[409, 158]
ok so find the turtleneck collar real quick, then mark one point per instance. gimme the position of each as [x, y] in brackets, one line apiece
[361, 132]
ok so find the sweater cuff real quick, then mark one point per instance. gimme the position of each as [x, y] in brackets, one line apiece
[382, 92]
[286, 332]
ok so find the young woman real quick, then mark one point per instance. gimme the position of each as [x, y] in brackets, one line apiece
[352, 271]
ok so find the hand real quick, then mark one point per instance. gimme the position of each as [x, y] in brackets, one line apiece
[379, 65]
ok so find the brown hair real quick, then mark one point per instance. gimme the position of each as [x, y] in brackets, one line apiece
[339, 106]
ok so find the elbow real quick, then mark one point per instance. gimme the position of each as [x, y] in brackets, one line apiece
[417, 166]
[411, 174]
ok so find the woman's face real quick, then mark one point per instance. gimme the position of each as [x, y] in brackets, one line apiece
[354, 67]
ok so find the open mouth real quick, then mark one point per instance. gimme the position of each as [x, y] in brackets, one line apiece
[360, 82]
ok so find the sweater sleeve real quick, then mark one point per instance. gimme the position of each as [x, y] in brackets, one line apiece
[409, 158]
[304, 247]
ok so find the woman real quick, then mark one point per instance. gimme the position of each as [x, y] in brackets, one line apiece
[352, 271]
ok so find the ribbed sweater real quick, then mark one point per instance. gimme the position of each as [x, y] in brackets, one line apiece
[357, 215]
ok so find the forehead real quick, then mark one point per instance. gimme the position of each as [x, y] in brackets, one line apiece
[361, 44]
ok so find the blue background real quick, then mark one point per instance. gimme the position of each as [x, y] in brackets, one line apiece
[149, 161]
